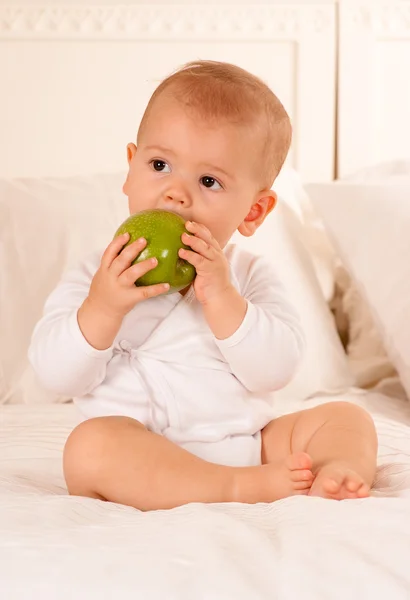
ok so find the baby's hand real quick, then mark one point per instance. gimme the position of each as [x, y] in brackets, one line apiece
[113, 291]
[212, 268]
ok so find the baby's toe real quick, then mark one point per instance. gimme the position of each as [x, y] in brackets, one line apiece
[350, 485]
[299, 461]
[363, 491]
[302, 485]
[301, 475]
[353, 482]
[331, 485]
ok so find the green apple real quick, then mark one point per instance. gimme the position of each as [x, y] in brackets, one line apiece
[162, 230]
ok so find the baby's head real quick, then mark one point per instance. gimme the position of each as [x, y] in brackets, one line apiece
[210, 144]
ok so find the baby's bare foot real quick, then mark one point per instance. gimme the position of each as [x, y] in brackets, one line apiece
[338, 481]
[274, 481]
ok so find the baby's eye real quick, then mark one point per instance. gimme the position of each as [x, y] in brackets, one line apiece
[159, 166]
[209, 182]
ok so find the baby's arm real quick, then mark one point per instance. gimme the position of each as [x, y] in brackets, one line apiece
[73, 342]
[265, 350]
[63, 359]
[254, 325]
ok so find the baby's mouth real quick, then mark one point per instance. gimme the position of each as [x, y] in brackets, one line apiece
[175, 212]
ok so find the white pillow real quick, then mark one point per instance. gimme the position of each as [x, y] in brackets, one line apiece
[367, 355]
[370, 226]
[324, 367]
[290, 189]
[48, 225]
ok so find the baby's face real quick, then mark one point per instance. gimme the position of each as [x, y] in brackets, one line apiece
[205, 174]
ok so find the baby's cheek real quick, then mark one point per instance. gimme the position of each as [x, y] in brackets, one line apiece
[220, 234]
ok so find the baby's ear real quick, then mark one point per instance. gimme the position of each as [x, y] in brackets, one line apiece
[264, 204]
[131, 150]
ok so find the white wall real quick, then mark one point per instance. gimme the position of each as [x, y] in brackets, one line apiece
[152, 2]
[76, 79]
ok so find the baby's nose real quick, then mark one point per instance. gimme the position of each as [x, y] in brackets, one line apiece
[178, 194]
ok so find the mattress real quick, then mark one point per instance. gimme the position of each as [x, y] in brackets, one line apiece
[53, 546]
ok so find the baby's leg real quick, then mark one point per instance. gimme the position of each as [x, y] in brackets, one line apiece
[119, 460]
[341, 440]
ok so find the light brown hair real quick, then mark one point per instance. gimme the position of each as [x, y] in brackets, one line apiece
[217, 90]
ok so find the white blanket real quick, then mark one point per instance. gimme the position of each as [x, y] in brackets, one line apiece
[56, 547]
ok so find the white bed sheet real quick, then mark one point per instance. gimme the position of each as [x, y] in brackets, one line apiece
[53, 546]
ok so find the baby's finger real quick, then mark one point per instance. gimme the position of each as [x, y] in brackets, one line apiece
[199, 245]
[202, 232]
[113, 249]
[127, 256]
[130, 275]
[195, 259]
[150, 291]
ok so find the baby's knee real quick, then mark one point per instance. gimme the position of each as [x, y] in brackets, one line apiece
[338, 415]
[88, 449]
[345, 412]
[350, 418]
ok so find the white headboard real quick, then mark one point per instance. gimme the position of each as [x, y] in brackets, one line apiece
[75, 79]
[374, 83]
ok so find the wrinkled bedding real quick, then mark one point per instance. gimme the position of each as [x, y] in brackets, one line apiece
[53, 546]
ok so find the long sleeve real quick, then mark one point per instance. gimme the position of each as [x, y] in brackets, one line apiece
[265, 351]
[60, 355]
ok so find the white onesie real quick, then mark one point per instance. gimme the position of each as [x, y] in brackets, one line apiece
[165, 367]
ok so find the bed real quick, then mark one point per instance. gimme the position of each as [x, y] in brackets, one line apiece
[55, 546]
[65, 71]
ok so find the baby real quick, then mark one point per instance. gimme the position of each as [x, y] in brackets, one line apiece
[176, 389]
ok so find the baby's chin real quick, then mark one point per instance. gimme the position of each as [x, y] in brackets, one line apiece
[223, 241]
